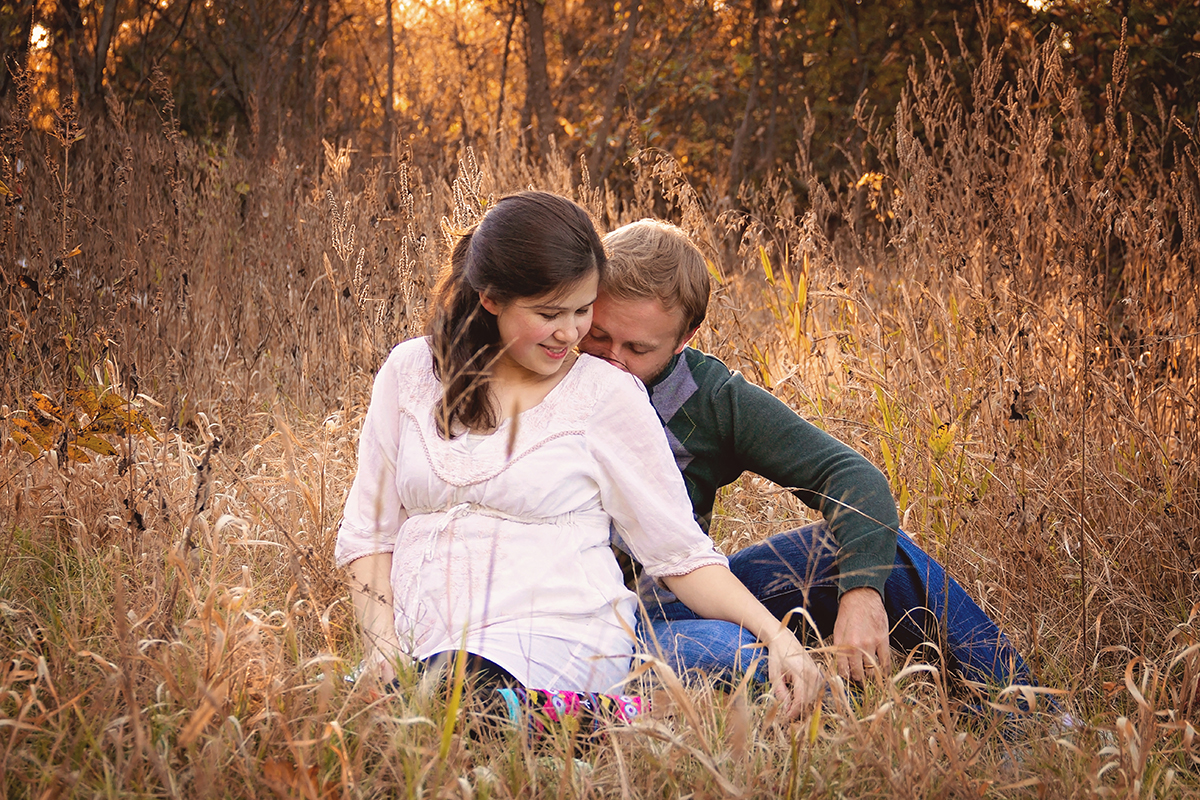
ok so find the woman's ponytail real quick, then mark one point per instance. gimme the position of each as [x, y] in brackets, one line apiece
[463, 337]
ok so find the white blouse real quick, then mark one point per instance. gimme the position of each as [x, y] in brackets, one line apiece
[500, 543]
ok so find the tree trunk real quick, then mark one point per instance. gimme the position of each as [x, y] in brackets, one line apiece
[69, 24]
[14, 61]
[303, 64]
[512, 19]
[537, 79]
[740, 140]
[771, 137]
[108, 21]
[388, 123]
[609, 103]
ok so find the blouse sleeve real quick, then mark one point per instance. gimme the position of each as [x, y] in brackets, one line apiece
[642, 489]
[374, 513]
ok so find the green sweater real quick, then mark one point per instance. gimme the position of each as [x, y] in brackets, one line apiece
[720, 426]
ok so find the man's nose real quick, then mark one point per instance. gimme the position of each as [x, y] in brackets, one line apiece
[596, 347]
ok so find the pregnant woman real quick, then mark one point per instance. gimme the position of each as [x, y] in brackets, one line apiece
[492, 463]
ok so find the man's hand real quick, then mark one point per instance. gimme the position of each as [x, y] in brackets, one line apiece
[861, 633]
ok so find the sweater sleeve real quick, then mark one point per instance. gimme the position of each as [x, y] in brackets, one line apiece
[641, 489]
[828, 476]
[373, 512]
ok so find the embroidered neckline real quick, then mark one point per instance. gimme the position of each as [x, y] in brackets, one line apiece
[562, 412]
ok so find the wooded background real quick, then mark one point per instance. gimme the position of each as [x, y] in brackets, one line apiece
[726, 87]
[965, 240]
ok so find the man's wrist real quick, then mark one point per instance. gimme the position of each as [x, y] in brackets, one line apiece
[857, 592]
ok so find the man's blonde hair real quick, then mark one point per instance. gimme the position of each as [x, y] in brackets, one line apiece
[653, 259]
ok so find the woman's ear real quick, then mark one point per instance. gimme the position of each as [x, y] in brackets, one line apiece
[489, 305]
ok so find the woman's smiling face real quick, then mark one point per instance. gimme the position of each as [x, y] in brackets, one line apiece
[537, 333]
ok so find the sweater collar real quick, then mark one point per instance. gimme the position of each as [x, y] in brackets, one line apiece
[667, 370]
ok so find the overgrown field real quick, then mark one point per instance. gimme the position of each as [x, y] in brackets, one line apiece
[1000, 306]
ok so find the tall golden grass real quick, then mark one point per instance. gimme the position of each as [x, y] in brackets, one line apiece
[1000, 306]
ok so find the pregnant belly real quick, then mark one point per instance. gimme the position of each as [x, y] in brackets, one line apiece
[480, 571]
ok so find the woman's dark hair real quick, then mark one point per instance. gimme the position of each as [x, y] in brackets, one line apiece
[528, 244]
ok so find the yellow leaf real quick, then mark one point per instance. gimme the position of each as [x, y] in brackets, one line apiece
[75, 454]
[35, 432]
[766, 262]
[942, 439]
[96, 444]
[47, 407]
[123, 412]
[760, 358]
[86, 400]
[106, 424]
[27, 443]
[111, 401]
[889, 460]
[871, 179]
[885, 408]
[814, 724]
[138, 421]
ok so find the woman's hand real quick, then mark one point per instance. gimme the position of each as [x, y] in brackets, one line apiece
[712, 591]
[796, 680]
[380, 665]
[371, 590]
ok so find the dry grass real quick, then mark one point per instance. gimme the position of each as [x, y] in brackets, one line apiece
[1001, 308]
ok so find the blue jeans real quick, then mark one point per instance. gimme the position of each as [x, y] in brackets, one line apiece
[798, 569]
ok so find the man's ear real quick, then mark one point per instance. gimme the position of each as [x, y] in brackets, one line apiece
[683, 342]
[491, 306]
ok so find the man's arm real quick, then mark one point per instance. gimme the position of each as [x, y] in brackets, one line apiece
[771, 440]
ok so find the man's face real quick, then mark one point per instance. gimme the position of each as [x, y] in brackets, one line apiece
[639, 336]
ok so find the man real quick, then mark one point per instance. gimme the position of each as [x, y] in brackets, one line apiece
[854, 577]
